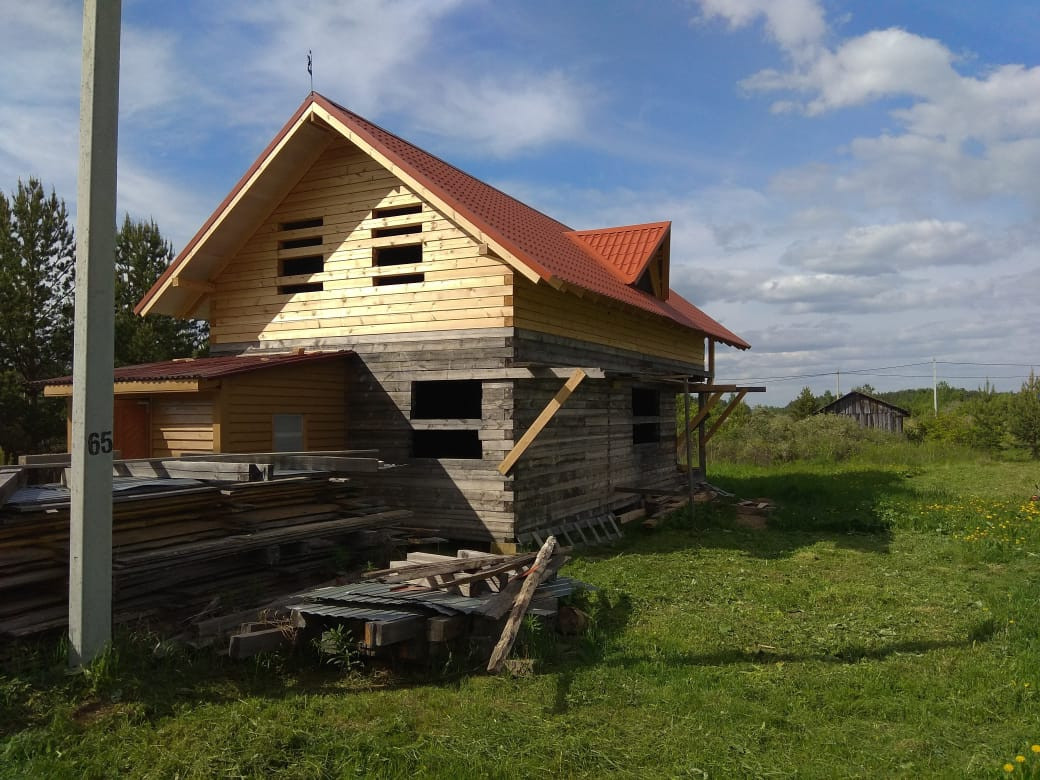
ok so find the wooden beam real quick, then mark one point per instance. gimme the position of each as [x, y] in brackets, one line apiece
[195, 285]
[722, 417]
[704, 412]
[541, 421]
[139, 388]
[535, 575]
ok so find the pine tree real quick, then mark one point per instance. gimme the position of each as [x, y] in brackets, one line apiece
[142, 254]
[1024, 421]
[804, 405]
[37, 267]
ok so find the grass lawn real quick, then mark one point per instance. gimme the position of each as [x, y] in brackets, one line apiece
[886, 625]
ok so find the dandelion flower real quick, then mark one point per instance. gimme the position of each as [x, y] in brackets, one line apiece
[1009, 767]
[1020, 759]
[1035, 748]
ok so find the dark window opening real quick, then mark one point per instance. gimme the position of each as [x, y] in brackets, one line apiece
[403, 230]
[645, 283]
[297, 243]
[300, 224]
[455, 399]
[397, 211]
[447, 444]
[382, 281]
[398, 255]
[646, 433]
[296, 266]
[290, 289]
[646, 402]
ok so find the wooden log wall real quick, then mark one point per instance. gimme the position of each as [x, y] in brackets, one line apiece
[461, 288]
[587, 450]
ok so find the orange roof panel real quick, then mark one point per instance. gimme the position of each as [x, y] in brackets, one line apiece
[628, 249]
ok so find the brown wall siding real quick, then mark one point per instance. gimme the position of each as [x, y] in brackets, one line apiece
[318, 391]
[182, 423]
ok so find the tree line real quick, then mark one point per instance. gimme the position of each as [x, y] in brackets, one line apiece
[37, 282]
[981, 419]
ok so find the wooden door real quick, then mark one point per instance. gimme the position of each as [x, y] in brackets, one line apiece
[132, 429]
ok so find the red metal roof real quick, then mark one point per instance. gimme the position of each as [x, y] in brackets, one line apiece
[546, 246]
[627, 249]
[206, 367]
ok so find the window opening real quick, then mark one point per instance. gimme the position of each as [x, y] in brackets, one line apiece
[447, 444]
[382, 281]
[301, 266]
[297, 243]
[397, 211]
[402, 230]
[646, 433]
[398, 255]
[300, 224]
[452, 399]
[295, 266]
[287, 433]
[646, 402]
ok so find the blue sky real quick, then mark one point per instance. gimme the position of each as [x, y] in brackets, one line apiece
[852, 185]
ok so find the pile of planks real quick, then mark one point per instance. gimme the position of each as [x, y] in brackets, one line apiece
[417, 608]
[177, 543]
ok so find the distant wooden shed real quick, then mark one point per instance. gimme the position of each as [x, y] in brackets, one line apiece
[228, 403]
[868, 411]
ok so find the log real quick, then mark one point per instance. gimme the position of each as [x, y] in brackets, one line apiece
[534, 578]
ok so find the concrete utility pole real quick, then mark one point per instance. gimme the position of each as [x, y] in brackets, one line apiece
[90, 534]
[935, 390]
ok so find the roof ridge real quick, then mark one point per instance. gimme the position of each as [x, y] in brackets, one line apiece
[441, 160]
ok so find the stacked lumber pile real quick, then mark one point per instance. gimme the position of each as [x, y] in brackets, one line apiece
[416, 608]
[177, 543]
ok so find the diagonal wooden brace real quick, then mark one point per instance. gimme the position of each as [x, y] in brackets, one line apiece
[541, 421]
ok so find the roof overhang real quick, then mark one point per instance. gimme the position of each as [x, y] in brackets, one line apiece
[142, 388]
[182, 288]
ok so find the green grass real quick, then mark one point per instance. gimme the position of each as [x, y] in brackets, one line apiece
[874, 631]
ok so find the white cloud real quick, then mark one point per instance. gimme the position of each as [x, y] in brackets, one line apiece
[384, 58]
[885, 249]
[797, 25]
[876, 65]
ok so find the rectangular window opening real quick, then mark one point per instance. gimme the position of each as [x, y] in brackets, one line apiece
[398, 255]
[397, 211]
[646, 433]
[646, 402]
[300, 224]
[447, 444]
[296, 266]
[383, 281]
[402, 230]
[287, 433]
[452, 399]
[297, 243]
[292, 289]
